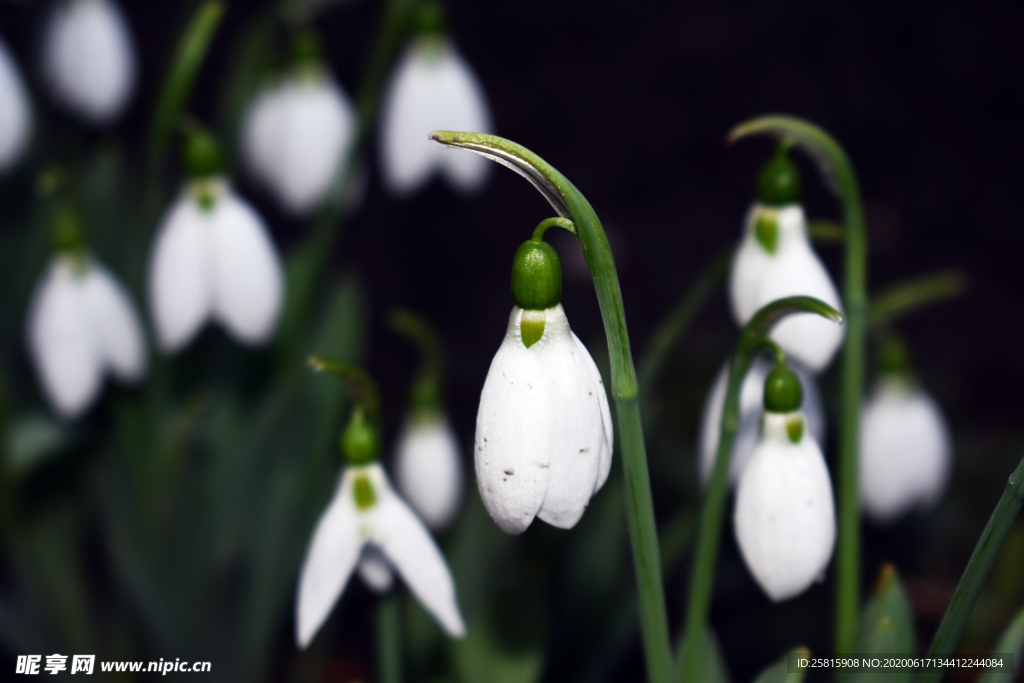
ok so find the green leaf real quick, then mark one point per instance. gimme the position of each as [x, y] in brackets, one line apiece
[779, 671]
[709, 666]
[33, 439]
[504, 645]
[1011, 642]
[887, 625]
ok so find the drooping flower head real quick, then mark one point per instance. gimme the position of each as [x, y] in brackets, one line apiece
[299, 130]
[905, 447]
[543, 442]
[432, 87]
[775, 260]
[368, 525]
[81, 323]
[212, 259]
[785, 512]
[89, 59]
[15, 112]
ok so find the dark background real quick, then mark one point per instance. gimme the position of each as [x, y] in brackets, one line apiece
[632, 101]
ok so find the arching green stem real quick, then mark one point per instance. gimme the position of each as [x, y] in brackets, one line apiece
[753, 337]
[360, 384]
[570, 203]
[427, 386]
[389, 640]
[912, 294]
[538, 232]
[840, 176]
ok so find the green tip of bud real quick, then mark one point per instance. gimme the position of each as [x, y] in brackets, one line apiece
[360, 444]
[430, 17]
[536, 276]
[893, 356]
[782, 391]
[307, 48]
[67, 229]
[779, 182]
[201, 154]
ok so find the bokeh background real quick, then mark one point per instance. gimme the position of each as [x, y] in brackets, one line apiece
[632, 103]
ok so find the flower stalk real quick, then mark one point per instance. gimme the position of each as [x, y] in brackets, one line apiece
[389, 640]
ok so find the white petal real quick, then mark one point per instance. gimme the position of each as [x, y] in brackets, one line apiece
[410, 549]
[785, 512]
[260, 134]
[905, 451]
[332, 554]
[60, 340]
[248, 285]
[428, 469]
[751, 411]
[608, 445]
[89, 59]
[181, 274]
[374, 570]
[114, 324]
[15, 115]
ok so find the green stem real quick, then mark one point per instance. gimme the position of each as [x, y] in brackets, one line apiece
[978, 568]
[912, 294]
[542, 227]
[360, 384]
[841, 177]
[426, 391]
[569, 203]
[752, 338]
[389, 640]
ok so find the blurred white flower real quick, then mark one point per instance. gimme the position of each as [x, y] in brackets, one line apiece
[364, 512]
[374, 570]
[432, 88]
[428, 468]
[296, 134]
[15, 114]
[905, 450]
[213, 258]
[89, 59]
[751, 412]
[775, 260]
[82, 324]
[543, 432]
[785, 514]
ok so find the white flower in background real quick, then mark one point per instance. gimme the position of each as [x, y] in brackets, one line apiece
[367, 513]
[82, 324]
[432, 88]
[428, 468]
[905, 450]
[785, 513]
[15, 114]
[543, 432]
[751, 412]
[88, 58]
[296, 134]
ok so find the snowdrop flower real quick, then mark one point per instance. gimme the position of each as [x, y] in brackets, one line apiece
[15, 115]
[298, 131]
[88, 58]
[213, 258]
[751, 413]
[775, 260]
[368, 524]
[432, 88]
[785, 513]
[543, 432]
[428, 468]
[81, 324]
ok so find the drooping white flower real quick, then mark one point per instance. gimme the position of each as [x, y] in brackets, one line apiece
[82, 324]
[905, 450]
[366, 512]
[374, 570]
[89, 59]
[775, 260]
[785, 513]
[213, 258]
[751, 412]
[432, 88]
[15, 115]
[543, 432]
[428, 468]
[296, 134]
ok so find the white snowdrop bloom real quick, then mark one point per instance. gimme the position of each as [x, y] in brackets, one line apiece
[428, 468]
[751, 412]
[89, 59]
[15, 114]
[365, 511]
[82, 324]
[785, 514]
[905, 450]
[432, 88]
[775, 260]
[296, 134]
[543, 432]
[213, 258]
[374, 570]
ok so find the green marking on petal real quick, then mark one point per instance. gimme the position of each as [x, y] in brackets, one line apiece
[206, 200]
[795, 429]
[532, 329]
[766, 230]
[365, 496]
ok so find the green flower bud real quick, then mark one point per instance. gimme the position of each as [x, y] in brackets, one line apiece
[893, 357]
[782, 391]
[201, 154]
[536, 276]
[307, 48]
[430, 18]
[779, 181]
[68, 236]
[360, 443]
